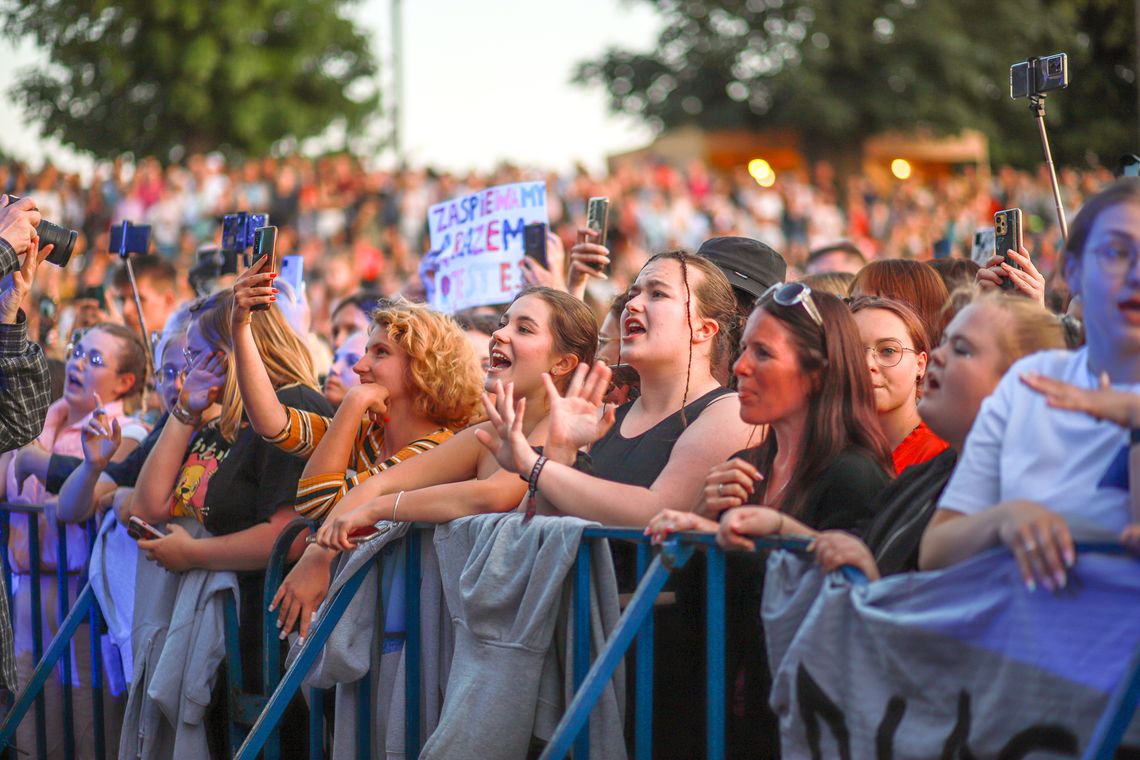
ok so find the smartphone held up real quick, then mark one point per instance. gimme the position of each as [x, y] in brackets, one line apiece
[265, 245]
[1007, 237]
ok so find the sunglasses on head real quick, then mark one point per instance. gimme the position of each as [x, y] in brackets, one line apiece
[794, 294]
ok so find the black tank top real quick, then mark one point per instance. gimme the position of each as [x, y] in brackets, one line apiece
[639, 460]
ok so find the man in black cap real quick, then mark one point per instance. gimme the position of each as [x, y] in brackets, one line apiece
[751, 266]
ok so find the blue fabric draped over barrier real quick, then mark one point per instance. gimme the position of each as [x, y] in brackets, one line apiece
[956, 663]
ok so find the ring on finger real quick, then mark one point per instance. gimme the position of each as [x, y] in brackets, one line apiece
[1030, 546]
[720, 489]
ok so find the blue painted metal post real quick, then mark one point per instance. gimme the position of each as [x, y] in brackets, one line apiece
[316, 724]
[94, 624]
[714, 653]
[610, 658]
[364, 716]
[413, 572]
[63, 594]
[279, 700]
[33, 690]
[643, 694]
[233, 672]
[1118, 713]
[37, 628]
[581, 657]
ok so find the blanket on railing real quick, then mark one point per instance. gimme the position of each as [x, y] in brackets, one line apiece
[963, 662]
[507, 587]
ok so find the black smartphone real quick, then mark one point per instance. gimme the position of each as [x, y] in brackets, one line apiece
[1007, 237]
[139, 529]
[597, 219]
[1039, 75]
[265, 244]
[534, 242]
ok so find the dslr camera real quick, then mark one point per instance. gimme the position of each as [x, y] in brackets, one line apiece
[52, 234]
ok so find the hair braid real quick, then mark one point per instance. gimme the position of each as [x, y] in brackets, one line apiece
[689, 322]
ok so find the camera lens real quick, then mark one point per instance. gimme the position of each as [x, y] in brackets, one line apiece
[1055, 67]
[63, 239]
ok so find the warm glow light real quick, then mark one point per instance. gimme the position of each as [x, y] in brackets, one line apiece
[900, 167]
[760, 169]
[767, 180]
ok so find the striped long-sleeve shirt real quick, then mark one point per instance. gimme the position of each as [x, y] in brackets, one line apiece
[318, 494]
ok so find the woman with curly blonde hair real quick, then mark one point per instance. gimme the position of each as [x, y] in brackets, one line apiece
[419, 382]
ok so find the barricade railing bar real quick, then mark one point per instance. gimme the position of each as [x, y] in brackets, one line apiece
[263, 712]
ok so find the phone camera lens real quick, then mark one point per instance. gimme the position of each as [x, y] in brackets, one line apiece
[1055, 67]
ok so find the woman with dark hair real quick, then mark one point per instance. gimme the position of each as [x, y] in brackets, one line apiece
[912, 282]
[802, 373]
[653, 451]
[898, 347]
[1031, 477]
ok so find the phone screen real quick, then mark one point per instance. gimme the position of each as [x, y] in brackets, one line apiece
[265, 244]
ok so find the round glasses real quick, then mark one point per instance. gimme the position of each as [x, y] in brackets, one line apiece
[888, 352]
[77, 354]
[1116, 258]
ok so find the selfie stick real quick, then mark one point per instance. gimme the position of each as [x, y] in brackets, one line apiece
[124, 254]
[1037, 106]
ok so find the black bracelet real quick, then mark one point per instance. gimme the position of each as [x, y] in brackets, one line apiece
[532, 487]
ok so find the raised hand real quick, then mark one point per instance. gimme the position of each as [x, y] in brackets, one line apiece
[204, 382]
[101, 437]
[574, 418]
[22, 279]
[1027, 279]
[254, 286]
[506, 440]
[587, 260]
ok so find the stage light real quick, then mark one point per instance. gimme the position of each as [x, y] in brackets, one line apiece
[900, 167]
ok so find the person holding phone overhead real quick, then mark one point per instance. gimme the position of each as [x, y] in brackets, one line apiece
[1033, 478]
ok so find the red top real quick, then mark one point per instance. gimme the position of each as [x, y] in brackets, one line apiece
[922, 444]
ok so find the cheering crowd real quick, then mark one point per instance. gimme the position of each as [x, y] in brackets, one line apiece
[738, 360]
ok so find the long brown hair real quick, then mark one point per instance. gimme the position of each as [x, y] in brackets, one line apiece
[573, 325]
[286, 357]
[841, 406]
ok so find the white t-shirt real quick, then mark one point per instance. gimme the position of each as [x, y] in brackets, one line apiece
[1020, 448]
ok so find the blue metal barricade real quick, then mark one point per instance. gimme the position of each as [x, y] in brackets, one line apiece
[58, 652]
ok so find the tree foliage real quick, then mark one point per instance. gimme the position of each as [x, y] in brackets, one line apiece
[150, 75]
[836, 71]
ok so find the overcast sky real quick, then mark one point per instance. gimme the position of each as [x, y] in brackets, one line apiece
[483, 81]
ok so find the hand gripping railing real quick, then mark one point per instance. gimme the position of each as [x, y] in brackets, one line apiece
[58, 651]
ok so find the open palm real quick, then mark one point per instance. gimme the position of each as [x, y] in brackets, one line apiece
[574, 418]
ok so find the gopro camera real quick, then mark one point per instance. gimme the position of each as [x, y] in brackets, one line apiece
[1038, 76]
[127, 238]
[52, 234]
[238, 231]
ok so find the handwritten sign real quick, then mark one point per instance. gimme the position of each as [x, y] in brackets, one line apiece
[477, 244]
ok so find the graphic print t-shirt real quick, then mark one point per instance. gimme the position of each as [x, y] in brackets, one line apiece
[207, 452]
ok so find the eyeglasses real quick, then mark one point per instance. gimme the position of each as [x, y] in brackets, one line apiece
[793, 294]
[888, 352]
[168, 373]
[77, 353]
[1117, 257]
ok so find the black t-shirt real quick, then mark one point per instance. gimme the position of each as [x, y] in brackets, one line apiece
[639, 460]
[246, 481]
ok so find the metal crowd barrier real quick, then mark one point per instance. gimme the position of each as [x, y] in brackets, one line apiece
[634, 629]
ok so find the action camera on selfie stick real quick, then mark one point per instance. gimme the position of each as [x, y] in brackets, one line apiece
[126, 239]
[1034, 79]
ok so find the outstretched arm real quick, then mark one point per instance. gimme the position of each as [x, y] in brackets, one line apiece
[265, 412]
